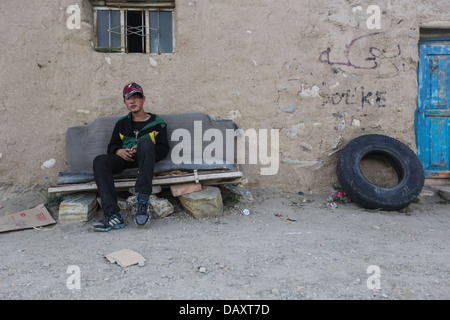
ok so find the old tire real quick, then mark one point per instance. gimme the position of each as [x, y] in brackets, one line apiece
[371, 196]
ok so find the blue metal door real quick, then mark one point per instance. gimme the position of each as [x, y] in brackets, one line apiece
[433, 112]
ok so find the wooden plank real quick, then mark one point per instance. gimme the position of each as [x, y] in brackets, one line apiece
[185, 188]
[436, 182]
[134, 4]
[438, 175]
[129, 183]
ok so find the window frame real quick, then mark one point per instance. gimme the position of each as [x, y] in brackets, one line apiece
[124, 38]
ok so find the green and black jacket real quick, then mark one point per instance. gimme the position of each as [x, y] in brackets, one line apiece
[123, 136]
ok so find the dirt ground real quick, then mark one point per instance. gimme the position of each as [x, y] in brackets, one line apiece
[291, 247]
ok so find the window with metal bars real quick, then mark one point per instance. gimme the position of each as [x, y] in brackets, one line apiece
[134, 30]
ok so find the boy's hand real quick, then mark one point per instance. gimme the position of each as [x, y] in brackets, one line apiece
[127, 154]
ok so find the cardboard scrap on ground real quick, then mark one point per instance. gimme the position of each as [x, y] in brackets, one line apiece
[36, 217]
[125, 258]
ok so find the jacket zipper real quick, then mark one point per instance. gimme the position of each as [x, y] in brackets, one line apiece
[136, 133]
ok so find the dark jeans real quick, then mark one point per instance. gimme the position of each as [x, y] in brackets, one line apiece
[106, 165]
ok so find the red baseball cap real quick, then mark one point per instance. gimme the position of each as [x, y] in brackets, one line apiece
[131, 89]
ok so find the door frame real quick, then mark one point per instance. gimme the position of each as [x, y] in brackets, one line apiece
[420, 121]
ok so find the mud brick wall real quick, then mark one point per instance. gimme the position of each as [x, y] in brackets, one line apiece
[320, 72]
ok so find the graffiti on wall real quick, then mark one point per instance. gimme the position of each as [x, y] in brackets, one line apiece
[359, 97]
[373, 60]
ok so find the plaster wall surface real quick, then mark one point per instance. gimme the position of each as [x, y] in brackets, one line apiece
[314, 70]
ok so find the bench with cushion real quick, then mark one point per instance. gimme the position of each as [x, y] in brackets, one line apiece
[84, 143]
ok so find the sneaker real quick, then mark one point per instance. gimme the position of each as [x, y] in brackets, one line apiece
[142, 216]
[109, 221]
